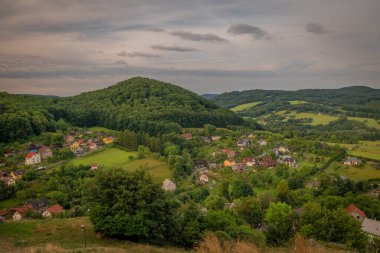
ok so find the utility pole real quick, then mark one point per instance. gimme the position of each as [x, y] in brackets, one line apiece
[84, 235]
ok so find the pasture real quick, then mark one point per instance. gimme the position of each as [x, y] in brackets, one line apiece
[244, 106]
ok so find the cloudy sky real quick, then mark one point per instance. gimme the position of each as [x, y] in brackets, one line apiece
[64, 47]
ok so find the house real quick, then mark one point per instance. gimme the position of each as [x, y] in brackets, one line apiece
[38, 205]
[206, 139]
[266, 162]
[17, 174]
[168, 185]
[371, 227]
[94, 166]
[200, 164]
[9, 154]
[262, 143]
[356, 213]
[243, 143]
[374, 193]
[229, 153]
[203, 179]
[69, 138]
[352, 161]
[45, 152]
[2, 163]
[92, 146]
[74, 146]
[108, 140]
[50, 211]
[8, 181]
[215, 138]
[248, 161]
[237, 168]
[187, 136]
[32, 158]
[19, 212]
[229, 163]
[34, 147]
[289, 161]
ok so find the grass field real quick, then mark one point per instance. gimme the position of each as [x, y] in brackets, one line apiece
[366, 149]
[369, 122]
[66, 235]
[117, 158]
[364, 172]
[244, 106]
[103, 129]
[318, 119]
[297, 102]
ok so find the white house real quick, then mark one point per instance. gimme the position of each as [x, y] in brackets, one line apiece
[17, 216]
[32, 158]
[168, 185]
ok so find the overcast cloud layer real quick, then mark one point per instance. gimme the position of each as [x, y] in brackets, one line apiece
[65, 47]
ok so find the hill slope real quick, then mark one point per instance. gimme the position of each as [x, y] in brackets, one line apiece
[138, 104]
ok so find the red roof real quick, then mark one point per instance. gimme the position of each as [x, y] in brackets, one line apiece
[30, 155]
[22, 209]
[352, 208]
[55, 208]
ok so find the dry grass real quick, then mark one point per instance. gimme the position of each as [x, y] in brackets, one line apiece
[211, 244]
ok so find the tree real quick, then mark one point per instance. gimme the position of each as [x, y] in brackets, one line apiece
[215, 202]
[280, 219]
[282, 191]
[130, 205]
[249, 208]
[239, 188]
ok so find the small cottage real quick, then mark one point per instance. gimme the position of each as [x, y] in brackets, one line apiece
[51, 211]
[168, 185]
[356, 213]
[32, 158]
[45, 152]
[352, 161]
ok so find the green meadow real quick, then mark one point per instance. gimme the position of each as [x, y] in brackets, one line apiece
[244, 106]
[117, 158]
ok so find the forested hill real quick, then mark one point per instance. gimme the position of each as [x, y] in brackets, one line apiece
[138, 104]
[360, 99]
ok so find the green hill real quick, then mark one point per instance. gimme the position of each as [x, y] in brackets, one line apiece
[138, 104]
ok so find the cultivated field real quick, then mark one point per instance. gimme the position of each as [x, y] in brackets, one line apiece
[318, 119]
[297, 102]
[366, 149]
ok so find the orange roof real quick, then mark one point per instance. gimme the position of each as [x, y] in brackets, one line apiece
[352, 208]
[30, 155]
[55, 208]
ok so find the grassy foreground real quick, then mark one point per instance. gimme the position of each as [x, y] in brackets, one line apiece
[66, 235]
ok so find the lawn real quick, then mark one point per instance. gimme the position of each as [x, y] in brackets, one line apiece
[65, 234]
[117, 158]
[107, 157]
[244, 106]
[103, 129]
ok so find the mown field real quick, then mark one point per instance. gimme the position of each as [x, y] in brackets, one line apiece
[117, 158]
[357, 173]
[244, 106]
[366, 149]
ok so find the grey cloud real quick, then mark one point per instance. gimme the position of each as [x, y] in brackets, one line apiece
[158, 30]
[137, 54]
[208, 37]
[174, 48]
[240, 29]
[315, 28]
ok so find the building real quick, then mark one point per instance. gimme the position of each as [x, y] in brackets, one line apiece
[203, 179]
[94, 166]
[243, 143]
[229, 163]
[215, 138]
[38, 205]
[19, 212]
[168, 185]
[108, 140]
[2, 163]
[248, 161]
[262, 143]
[45, 152]
[34, 147]
[69, 138]
[92, 146]
[230, 153]
[371, 227]
[187, 136]
[356, 213]
[200, 164]
[290, 162]
[17, 174]
[352, 161]
[74, 146]
[32, 158]
[8, 181]
[51, 211]
[266, 162]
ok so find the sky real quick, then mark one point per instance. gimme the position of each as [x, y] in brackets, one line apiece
[64, 47]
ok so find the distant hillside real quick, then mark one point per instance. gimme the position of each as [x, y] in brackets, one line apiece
[209, 96]
[138, 104]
